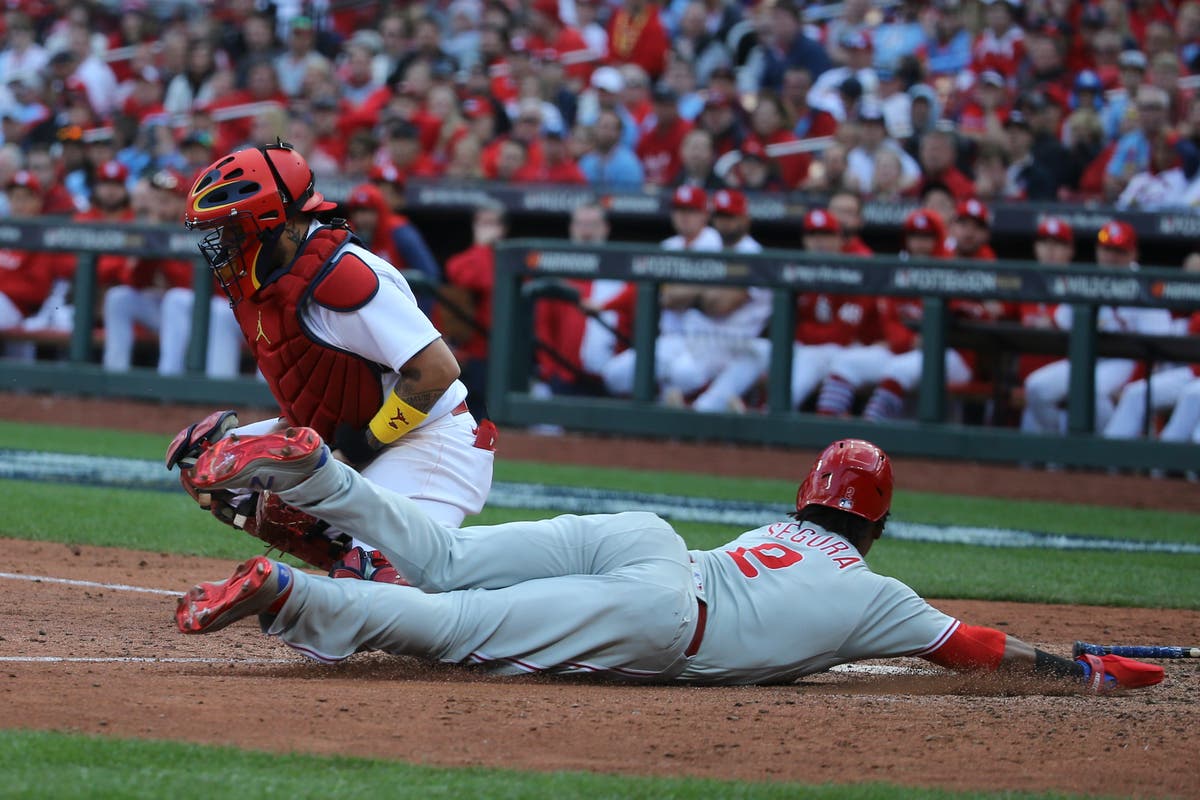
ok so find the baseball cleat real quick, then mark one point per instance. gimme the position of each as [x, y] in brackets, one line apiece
[257, 586]
[273, 462]
[359, 564]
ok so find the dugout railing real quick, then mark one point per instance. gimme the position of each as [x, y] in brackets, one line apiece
[788, 273]
[785, 272]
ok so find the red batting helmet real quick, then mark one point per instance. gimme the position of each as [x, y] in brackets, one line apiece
[850, 475]
[245, 199]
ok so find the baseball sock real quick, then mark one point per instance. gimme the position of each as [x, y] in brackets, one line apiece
[886, 402]
[836, 397]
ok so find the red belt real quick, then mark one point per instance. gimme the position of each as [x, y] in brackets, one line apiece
[461, 408]
[698, 636]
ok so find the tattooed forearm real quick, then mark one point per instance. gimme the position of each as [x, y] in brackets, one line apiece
[296, 234]
[421, 401]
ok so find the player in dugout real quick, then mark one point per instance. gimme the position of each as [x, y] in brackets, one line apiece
[613, 594]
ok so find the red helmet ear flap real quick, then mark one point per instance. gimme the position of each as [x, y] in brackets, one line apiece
[850, 475]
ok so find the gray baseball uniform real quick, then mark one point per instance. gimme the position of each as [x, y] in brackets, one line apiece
[618, 594]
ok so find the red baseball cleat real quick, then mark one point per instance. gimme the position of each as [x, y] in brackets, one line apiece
[273, 462]
[359, 564]
[258, 586]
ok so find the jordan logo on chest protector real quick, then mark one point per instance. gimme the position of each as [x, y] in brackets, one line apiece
[261, 333]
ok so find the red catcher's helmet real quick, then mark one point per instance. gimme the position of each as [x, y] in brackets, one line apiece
[850, 475]
[245, 199]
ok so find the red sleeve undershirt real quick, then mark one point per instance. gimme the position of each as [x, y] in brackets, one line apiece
[970, 647]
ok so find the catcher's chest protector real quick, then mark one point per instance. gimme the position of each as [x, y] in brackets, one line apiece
[315, 384]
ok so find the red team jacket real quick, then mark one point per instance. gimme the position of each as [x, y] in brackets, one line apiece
[26, 277]
[475, 269]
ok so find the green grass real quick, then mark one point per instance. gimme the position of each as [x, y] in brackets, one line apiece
[63, 766]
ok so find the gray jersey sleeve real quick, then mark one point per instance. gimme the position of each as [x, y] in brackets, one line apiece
[896, 622]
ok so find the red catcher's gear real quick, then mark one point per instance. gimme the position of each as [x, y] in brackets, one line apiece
[316, 385]
[245, 199]
[850, 475]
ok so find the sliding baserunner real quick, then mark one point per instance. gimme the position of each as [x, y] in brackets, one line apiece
[617, 593]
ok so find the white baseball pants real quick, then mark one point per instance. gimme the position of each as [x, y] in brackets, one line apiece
[1047, 387]
[224, 352]
[1129, 418]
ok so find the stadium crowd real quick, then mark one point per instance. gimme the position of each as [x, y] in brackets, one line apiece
[108, 109]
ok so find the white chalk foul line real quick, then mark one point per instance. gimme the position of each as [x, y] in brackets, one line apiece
[116, 587]
[140, 660]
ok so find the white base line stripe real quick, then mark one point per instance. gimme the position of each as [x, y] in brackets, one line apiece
[884, 669]
[139, 660]
[116, 587]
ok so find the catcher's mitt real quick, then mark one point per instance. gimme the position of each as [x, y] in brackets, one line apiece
[266, 517]
[190, 442]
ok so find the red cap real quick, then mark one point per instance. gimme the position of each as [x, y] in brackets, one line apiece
[1056, 228]
[731, 202]
[818, 220]
[752, 148]
[113, 171]
[974, 209]
[547, 8]
[1117, 235]
[170, 180]
[386, 173]
[364, 195]
[476, 107]
[691, 198]
[26, 180]
[924, 221]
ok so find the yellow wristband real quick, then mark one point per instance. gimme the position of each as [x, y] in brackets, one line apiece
[395, 419]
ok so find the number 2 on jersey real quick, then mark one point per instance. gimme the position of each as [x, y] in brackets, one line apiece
[771, 555]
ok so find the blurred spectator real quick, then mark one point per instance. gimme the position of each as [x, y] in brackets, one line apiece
[701, 37]
[566, 43]
[825, 93]
[755, 170]
[1047, 64]
[846, 208]
[1120, 116]
[682, 80]
[1046, 388]
[902, 35]
[473, 271]
[299, 56]
[770, 127]
[22, 54]
[991, 172]
[659, 147]
[636, 35]
[720, 120]
[1187, 35]
[873, 141]
[785, 45]
[984, 114]
[830, 172]
[807, 122]
[558, 166]
[25, 110]
[1188, 145]
[1027, 178]
[1087, 155]
[465, 156]
[93, 72]
[1000, 46]
[26, 276]
[1133, 151]
[924, 112]
[937, 160]
[1164, 74]
[594, 33]
[197, 84]
[636, 97]
[426, 48]
[402, 149]
[607, 86]
[1088, 92]
[894, 102]
[394, 39]
[256, 43]
[611, 163]
[697, 159]
[389, 234]
[948, 45]
[935, 197]
[55, 198]
[853, 21]
[1162, 185]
